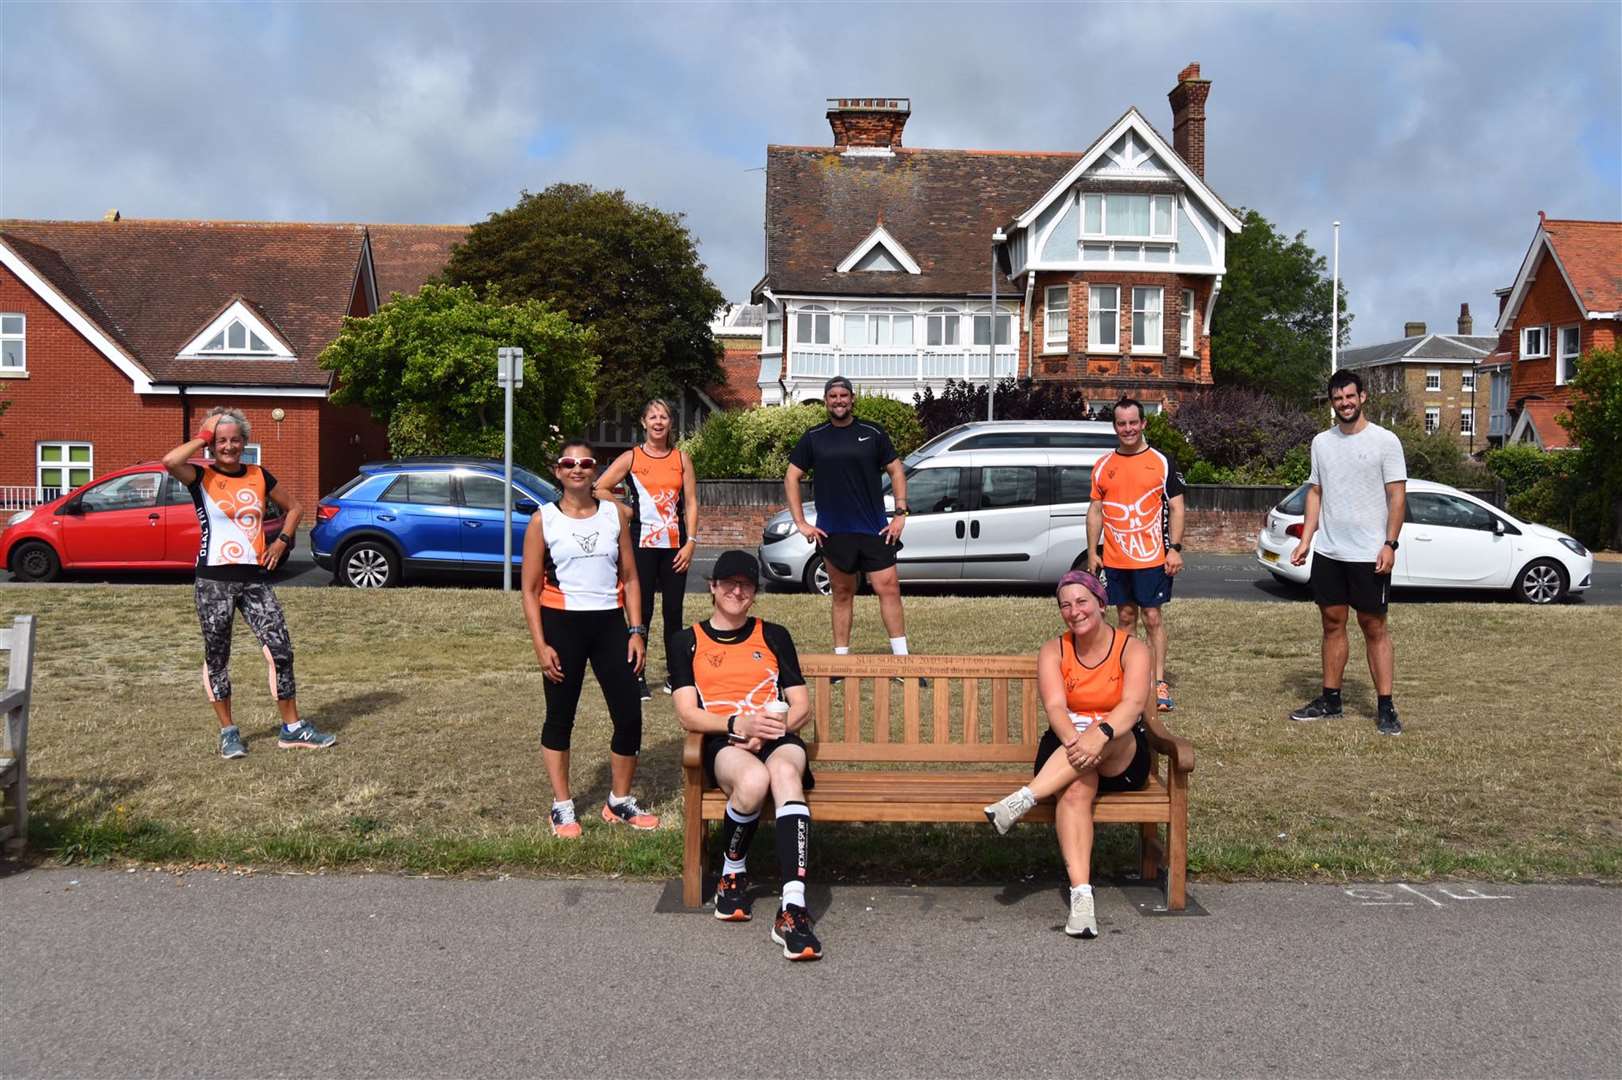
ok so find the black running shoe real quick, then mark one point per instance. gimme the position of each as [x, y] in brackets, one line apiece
[1388, 723]
[1318, 709]
[732, 898]
[642, 686]
[792, 930]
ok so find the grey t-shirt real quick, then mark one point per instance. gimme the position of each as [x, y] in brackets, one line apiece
[1352, 471]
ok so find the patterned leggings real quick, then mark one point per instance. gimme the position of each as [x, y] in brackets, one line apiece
[217, 603]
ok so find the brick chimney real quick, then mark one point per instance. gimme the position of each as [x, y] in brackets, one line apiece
[1188, 117]
[112, 215]
[868, 122]
[1467, 325]
[1413, 329]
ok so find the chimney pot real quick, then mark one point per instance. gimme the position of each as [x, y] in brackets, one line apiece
[1188, 117]
[112, 215]
[1467, 325]
[875, 122]
[1413, 329]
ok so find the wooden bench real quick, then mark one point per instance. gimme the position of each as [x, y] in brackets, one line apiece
[19, 642]
[981, 711]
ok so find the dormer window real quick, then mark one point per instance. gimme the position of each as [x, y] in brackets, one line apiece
[237, 338]
[1128, 217]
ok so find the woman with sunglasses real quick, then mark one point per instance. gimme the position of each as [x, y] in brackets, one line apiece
[663, 496]
[1094, 683]
[578, 578]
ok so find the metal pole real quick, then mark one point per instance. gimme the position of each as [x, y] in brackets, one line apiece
[507, 487]
[991, 350]
[1334, 323]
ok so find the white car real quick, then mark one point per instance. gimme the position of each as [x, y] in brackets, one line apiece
[1449, 540]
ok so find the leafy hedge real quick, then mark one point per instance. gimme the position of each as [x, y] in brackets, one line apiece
[754, 444]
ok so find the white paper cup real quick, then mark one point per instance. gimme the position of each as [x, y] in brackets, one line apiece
[777, 710]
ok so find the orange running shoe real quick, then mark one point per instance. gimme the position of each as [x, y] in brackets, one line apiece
[564, 825]
[629, 813]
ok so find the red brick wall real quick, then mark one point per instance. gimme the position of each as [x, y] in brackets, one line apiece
[1548, 302]
[740, 361]
[856, 128]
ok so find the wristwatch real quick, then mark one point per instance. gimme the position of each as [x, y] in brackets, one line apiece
[1392, 544]
[1109, 732]
[1176, 547]
[643, 630]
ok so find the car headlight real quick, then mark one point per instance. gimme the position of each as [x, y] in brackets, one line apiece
[1574, 546]
[777, 530]
[19, 517]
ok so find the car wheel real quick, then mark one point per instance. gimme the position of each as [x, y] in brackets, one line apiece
[369, 564]
[1542, 582]
[816, 577]
[35, 560]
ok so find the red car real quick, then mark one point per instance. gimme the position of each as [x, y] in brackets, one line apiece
[138, 518]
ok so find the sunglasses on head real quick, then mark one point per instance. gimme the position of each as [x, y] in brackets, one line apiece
[577, 463]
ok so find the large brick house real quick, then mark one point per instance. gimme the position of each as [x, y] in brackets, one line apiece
[879, 258]
[1434, 374]
[116, 336]
[1565, 301]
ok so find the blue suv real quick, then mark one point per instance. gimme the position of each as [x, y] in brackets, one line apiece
[436, 514]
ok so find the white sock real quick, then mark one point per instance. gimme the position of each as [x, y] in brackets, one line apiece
[1027, 794]
[565, 805]
[291, 727]
[898, 645]
[841, 650]
[793, 893]
[618, 800]
[1080, 890]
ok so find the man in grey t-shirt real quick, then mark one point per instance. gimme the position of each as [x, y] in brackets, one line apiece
[1355, 507]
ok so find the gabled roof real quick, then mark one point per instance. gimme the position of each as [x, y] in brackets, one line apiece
[1541, 420]
[1132, 121]
[1446, 347]
[1588, 255]
[151, 285]
[879, 239]
[406, 257]
[941, 205]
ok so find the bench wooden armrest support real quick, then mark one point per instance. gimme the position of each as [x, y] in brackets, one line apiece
[18, 641]
[977, 724]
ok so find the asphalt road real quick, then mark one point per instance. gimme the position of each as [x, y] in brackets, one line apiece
[108, 973]
[1206, 574]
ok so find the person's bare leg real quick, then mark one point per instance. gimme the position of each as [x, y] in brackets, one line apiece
[1334, 645]
[887, 587]
[1155, 627]
[1126, 618]
[1382, 654]
[1073, 823]
[222, 711]
[557, 771]
[844, 607]
[621, 772]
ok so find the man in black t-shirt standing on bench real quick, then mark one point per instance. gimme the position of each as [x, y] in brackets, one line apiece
[849, 456]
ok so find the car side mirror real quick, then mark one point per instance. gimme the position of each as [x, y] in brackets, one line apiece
[1498, 526]
[525, 506]
[75, 508]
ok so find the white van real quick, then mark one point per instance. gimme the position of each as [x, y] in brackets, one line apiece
[994, 501]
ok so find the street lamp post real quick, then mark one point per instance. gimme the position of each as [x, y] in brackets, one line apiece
[1334, 319]
[991, 359]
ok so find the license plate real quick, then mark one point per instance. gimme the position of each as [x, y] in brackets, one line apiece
[1269, 556]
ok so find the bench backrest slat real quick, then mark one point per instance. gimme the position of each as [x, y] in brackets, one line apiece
[999, 711]
[971, 711]
[909, 706]
[822, 702]
[881, 711]
[1027, 710]
[853, 709]
[943, 691]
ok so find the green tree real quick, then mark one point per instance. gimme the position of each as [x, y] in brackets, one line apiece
[426, 367]
[628, 271]
[1270, 330]
[1595, 424]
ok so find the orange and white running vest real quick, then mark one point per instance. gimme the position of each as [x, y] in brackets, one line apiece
[582, 559]
[656, 497]
[1091, 692]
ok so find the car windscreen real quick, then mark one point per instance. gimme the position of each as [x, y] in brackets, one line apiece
[1295, 502]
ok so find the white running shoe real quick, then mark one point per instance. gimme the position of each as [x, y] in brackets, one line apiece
[1006, 811]
[1082, 923]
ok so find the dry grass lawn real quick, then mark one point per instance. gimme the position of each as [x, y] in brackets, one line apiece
[1511, 765]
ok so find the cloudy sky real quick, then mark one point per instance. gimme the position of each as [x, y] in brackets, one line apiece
[1434, 132]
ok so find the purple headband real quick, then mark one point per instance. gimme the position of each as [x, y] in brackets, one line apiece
[1086, 581]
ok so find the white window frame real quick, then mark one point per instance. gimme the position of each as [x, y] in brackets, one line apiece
[1155, 342]
[1002, 315]
[949, 323]
[1185, 332]
[774, 323]
[1467, 381]
[20, 337]
[1095, 341]
[1107, 233]
[1433, 419]
[1433, 380]
[1543, 336]
[877, 329]
[1561, 378]
[1056, 342]
[1467, 422]
[65, 466]
[810, 316]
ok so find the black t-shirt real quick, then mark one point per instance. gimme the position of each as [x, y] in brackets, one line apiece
[776, 637]
[848, 463]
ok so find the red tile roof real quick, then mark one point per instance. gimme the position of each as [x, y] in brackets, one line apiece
[1591, 252]
[152, 285]
[405, 257]
[1543, 416]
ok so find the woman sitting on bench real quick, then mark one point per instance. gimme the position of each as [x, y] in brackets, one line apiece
[1094, 683]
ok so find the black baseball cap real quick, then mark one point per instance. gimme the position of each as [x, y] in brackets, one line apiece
[735, 563]
[837, 380]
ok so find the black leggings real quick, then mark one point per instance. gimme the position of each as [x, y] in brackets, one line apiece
[655, 571]
[598, 637]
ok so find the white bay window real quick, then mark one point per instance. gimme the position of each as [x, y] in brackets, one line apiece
[1146, 310]
[1103, 317]
[1056, 319]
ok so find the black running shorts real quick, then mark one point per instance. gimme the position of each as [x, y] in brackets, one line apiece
[1132, 778]
[856, 553]
[714, 744]
[1353, 584]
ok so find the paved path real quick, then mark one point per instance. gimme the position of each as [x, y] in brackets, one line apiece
[107, 973]
[1208, 574]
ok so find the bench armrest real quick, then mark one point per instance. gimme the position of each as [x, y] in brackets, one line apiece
[692, 756]
[1179, 751]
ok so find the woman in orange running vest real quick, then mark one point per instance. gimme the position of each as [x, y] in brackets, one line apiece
[1094, 683]
[663, 496]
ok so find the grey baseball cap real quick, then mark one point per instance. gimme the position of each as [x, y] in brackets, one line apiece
[837, 380]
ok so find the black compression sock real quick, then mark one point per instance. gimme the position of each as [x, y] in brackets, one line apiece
[737, 832]
[1385, 703]
[1332, 697]
[793, 840]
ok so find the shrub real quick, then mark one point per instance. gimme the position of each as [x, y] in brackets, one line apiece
[1232, 427]
[1163, 435]
[1520, 466]
[755, 443]
[962, 402]
[1439, 457]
